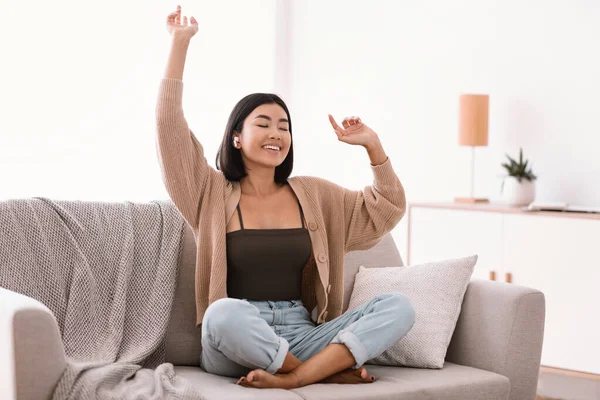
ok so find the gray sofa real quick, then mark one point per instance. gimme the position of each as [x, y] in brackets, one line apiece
[494, 353]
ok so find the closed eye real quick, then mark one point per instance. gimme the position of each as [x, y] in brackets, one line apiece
[266, 126]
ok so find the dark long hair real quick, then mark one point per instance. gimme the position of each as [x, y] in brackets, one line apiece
[229, 159]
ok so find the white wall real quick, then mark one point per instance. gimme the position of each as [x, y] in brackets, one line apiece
[79, 86]
[401, 65]
[78, 90]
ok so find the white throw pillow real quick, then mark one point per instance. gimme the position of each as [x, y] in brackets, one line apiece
[436, 291]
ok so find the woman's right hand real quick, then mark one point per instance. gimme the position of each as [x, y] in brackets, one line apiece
[176, 27]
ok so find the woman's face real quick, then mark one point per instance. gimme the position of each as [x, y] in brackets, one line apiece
[266, 125]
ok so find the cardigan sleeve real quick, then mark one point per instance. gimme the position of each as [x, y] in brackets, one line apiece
[371, 213]
[184, 168]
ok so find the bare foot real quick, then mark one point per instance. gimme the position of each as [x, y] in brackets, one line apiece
[350, 375]
[261, 379]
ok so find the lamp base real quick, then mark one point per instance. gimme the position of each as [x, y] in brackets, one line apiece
[470, 200]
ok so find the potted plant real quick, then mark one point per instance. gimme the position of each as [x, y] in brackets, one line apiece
[518, 188]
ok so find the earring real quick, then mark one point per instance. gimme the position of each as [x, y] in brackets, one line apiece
[236, 142]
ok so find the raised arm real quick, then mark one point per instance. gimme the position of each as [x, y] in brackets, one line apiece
[184, 168]
[370, 213]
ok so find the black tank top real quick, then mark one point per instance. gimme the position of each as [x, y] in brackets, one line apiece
[267, 264]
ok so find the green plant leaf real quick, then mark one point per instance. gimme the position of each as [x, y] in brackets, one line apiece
[520, 155]
[519, 169]
[512, 162]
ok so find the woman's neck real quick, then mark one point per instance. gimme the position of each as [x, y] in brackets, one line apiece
[260, 187]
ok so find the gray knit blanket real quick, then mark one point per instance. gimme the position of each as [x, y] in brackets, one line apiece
[108, 273]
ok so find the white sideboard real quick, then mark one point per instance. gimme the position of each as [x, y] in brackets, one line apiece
[556, 253]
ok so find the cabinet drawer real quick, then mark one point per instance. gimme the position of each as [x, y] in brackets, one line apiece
[556, 254]
[559, 256]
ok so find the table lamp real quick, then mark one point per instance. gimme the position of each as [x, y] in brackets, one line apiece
[473, 131]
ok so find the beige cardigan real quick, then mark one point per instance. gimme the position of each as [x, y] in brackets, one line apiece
[339, 220]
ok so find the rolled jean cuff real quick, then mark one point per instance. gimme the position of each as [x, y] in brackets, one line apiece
[279, 357]
[356, 347]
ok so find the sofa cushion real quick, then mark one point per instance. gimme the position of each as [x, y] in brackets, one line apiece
[436, 291]
[183, 340]
[383, 254]
[215, 387]
[452, 382]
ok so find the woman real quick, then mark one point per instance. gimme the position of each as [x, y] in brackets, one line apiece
[257, 276]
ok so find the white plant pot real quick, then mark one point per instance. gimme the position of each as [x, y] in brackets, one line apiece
[517, 193]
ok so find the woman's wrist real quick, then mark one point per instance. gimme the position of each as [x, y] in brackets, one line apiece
[376, 153]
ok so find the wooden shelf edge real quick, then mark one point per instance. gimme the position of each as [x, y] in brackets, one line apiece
[571, 373]
[501, 208]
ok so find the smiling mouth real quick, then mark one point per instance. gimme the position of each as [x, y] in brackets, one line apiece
[272, 151]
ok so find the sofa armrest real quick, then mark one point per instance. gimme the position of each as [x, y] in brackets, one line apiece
[501, 329]
[32, 356]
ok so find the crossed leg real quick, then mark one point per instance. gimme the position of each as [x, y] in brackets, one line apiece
[237, 341]
[336, 350]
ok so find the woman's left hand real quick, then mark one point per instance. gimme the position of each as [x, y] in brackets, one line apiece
[354, 132]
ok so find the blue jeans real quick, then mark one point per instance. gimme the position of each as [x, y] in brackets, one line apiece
[241, 335]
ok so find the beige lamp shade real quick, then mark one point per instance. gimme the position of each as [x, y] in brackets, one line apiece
[473, 120]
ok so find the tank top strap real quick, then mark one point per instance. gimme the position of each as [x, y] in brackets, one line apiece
[301, 213]
[240, 216]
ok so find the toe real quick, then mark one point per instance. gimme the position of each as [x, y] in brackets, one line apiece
[245, 383]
